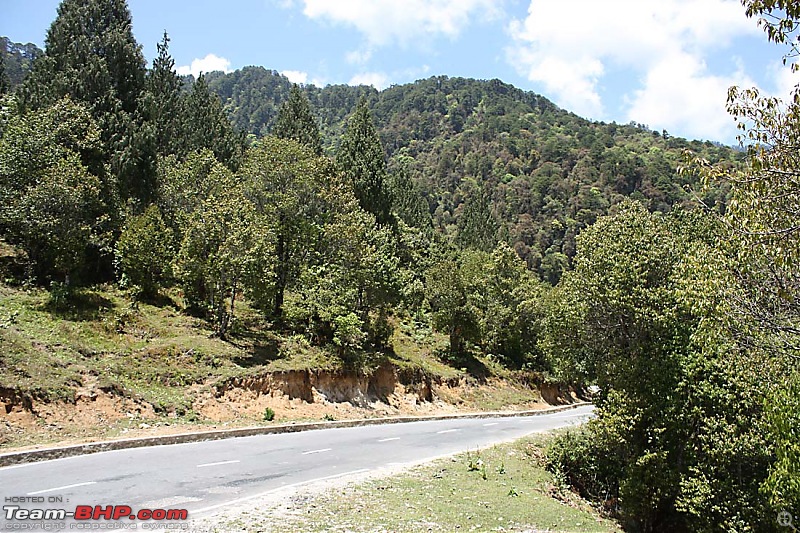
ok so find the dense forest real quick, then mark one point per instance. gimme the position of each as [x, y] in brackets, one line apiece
[663, 270]
[491, 161]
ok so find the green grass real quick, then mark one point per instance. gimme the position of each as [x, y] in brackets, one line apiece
[157, 354]
[503, 488]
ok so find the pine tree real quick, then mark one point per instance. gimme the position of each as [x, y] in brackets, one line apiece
[296, 122]
[361, 159]
[205, 125]
[92, 56]
[477, 227]
[162, 100]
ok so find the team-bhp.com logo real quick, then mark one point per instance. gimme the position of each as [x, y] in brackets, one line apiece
[94, 512]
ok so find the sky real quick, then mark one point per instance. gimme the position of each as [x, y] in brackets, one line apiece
[667, 64]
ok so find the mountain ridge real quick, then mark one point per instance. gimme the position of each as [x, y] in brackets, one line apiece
[547, 172]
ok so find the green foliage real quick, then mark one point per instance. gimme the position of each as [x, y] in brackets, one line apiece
[347, 332]
[205, 125]
[477, 227]
[183, 185]
[50, 203]
[545, 173]
[409, 204]
[216, 252]
[511, 316]
[356, 271]
[285, 183]
[454, 287]
[296, 122]
[778, 18]
[783, 420]
[576, 459]
[16, 59]
[269, 414]
[363, 162]
[160, 127]
[92, 56]
[57, 219]
[144, 252]
[3, 77]
[642, 313]
[763, 259]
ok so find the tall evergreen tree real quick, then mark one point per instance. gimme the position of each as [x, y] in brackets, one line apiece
[205, 125]
[162, 99]
[409, 204]
[92, 56]
[477, 227]
[361, 159]
[296, 122]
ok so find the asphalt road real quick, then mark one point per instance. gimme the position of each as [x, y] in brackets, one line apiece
[206, 477]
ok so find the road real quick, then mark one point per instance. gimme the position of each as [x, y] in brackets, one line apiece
[206, 477]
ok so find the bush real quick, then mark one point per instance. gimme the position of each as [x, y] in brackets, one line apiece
[144, 252]
[269, 414]
[576, 459]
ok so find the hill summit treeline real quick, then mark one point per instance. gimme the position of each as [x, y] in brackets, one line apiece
[664, 271]
[491, 161]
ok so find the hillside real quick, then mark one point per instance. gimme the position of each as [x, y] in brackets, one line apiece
[470, 163]
[169, 257]
[17, 59]
[537, 173]
[545, 172]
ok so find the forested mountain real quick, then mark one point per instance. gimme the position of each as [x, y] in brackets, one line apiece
[17, 59]
[491, 160]
[529, 237]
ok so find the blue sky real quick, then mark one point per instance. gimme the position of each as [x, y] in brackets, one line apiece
[663, 63]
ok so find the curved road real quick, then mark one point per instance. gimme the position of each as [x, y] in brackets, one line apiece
[205, 477]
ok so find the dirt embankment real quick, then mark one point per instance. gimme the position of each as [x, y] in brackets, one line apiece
[98, 411]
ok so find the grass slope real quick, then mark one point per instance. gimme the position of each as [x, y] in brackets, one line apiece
[154, 355]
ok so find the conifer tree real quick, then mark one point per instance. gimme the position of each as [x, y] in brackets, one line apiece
[296, 122]
[205, 125]
[162, 100]
[92, 56]
[477, 227]
[361, 159]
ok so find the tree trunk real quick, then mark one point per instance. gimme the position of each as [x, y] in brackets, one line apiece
[280, 281]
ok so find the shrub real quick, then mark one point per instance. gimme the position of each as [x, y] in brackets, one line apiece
[577, 459]
[144, 252]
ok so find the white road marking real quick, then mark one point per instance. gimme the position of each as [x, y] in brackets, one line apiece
[490, 424]
[219, 463]
[317, 451]
[272, 491]
[62, 488]
[446, 431]
[388, 440]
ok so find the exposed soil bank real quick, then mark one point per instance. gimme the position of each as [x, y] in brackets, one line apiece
[97, 412]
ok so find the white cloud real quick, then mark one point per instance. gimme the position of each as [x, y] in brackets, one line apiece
[386, 21]
[784, 80]
[210, 63]
[359, 57]
[663, 42]
[679, 93]
[296, 76]
[376, 79]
